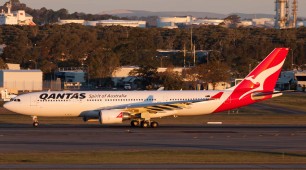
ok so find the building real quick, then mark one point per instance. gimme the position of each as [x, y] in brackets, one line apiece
[70, 21]
[110, 22]
[21, 80]
[286, 81]
[13, 66]
[124, 23]
[263, 22]
[174, 22]
[245, 23]
[71, 78]
[15, 17]
[291, 80]
[219, 86]
[301, 80]
[207, 21]
[301, 24]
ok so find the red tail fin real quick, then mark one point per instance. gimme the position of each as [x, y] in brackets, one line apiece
[261, 80]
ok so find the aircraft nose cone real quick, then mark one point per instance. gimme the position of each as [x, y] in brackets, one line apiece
[7, 105]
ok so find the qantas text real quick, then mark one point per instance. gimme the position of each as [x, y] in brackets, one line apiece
[45, 96]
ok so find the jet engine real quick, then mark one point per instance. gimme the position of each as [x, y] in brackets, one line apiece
[113, 116]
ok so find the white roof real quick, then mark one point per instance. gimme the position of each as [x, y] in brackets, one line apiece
[26, 71]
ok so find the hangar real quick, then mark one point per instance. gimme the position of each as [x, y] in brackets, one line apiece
[21, 80]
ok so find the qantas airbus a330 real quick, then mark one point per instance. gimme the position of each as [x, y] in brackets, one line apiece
[140, 107]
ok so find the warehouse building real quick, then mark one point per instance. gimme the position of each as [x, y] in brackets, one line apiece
[16, 81]
[110, 22]
[174, 22]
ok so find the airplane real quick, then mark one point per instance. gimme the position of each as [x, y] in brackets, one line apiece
[141, 107]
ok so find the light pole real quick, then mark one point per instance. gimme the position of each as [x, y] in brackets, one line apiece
[292, 59]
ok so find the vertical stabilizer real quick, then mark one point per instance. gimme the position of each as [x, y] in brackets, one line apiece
[259, 83]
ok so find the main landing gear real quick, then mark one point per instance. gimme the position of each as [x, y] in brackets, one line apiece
[144, 124]
[35, 121]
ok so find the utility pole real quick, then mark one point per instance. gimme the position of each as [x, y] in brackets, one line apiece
[194, 55]
[292, 64]
[184, 55]
[191, 41]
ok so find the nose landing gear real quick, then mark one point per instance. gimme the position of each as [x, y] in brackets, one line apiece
[35, 121]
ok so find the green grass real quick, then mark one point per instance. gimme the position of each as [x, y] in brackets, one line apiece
[153, 156]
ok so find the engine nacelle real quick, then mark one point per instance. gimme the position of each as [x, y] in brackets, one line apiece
[113, 116]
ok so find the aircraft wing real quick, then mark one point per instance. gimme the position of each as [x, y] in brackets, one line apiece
[154, 107]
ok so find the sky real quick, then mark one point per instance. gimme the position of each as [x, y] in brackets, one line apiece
[216, 6]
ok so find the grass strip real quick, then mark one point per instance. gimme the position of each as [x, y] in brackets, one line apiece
[154, 156]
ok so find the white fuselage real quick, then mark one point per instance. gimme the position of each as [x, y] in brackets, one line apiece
[74, 103]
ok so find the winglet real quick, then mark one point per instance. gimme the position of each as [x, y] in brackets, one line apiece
[217, 96]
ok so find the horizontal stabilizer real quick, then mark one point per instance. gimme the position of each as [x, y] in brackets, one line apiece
[262, 95]
[217, 96]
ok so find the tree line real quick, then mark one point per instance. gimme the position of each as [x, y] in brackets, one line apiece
[102, 49]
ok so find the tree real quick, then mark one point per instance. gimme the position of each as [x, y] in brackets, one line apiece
[3, 65]
[101, 64]
[171, 80]
[233, 20]
[214, 73]
[147, 74]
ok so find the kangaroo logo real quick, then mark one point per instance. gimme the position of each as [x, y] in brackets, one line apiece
[259, 80]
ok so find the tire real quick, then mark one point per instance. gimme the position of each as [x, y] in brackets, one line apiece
[154, 125]
[144, 124]
[134, 123]
[35, 124]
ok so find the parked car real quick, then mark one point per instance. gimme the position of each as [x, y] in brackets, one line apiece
[127, 87]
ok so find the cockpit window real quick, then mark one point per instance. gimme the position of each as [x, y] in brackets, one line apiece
[15, 100]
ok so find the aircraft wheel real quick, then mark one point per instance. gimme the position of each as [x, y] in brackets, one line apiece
[144, 124]
[134, 123]
[154, 124]
[35, 124]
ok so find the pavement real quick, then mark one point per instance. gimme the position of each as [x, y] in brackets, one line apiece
[78, 138]
[24, 138]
